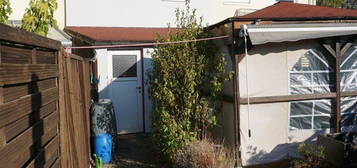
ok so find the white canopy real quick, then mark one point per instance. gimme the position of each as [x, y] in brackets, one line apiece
[261, 34]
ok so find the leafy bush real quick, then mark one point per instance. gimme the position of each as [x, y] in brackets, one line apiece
[185, 84]
[202, 154]
[330, 3]
[39, 16]
[313, 156]
[5, 11]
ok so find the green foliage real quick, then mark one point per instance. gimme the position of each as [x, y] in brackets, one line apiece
[98, 162]
[351, 4]
[5, 11]
[330, 3]
[39, 16]
[313, 156]
[185, 84]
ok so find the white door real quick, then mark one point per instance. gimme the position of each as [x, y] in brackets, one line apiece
[125, 90]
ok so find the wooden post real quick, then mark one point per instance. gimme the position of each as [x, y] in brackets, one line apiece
[236, 99]
[338, 86]
[64, 153]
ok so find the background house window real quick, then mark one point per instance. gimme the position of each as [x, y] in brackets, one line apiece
[237, 1]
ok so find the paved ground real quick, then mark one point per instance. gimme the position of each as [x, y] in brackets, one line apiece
[135, 151]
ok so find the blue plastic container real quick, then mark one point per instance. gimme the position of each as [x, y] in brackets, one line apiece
[103, 147]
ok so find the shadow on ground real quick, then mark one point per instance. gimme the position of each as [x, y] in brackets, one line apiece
[135, 151]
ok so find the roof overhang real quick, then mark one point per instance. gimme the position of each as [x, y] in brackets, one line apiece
[262, 34]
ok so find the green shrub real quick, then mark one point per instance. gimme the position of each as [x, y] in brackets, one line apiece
[39, 16]
[185, 84]
[5, 11]
[313, 156]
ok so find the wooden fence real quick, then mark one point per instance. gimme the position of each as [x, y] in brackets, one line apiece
[44, 104]
[76, 102]
[29, 112]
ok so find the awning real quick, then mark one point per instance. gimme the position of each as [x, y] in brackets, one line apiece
[261, 34]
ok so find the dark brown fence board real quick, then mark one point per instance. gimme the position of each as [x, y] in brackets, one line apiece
[45, 57]
[57, 164]
[10, 112]
[23, 37]
[2, 138]
[25, 122]
[12, 92]
[75, 99]
[15, 55]
[47, 155]
[18, 151]
[18, 73]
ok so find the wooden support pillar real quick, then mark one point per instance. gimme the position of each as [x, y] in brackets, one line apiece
[236, 98]
[338, 86]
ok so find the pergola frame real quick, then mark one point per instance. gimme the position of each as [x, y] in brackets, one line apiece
[337, 48]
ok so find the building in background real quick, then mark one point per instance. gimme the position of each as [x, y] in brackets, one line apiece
[156, 13]
[19, 8]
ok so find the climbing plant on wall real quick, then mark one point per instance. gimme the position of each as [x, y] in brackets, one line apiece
[185, 84]
[5, 10]
[330, 3]
[39, 16]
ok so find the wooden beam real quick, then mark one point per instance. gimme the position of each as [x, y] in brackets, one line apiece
[286, 98]
[20, 36]
[329, 49]
[345, 48]
[338, 86]
[236, 99]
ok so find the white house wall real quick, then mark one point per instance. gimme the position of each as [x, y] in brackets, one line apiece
[102, 63]
[151, 13]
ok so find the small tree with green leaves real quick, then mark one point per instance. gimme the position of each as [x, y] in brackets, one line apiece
[185, 84]
[5, 11]
[330, 3]
[39, 16]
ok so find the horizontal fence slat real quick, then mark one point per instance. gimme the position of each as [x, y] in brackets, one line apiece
[46, 57]
[15, 55]
[13, 110]
[47, 155]
[27, 121]
[12, 92]
[23, 37]
[19, 151]
[17, 73]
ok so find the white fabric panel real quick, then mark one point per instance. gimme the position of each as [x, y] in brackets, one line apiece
[267, 71]
[268, 126]
[268, 75]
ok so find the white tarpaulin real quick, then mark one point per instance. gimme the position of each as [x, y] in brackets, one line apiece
[261, 34]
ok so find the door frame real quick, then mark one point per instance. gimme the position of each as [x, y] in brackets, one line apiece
[140, 77]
